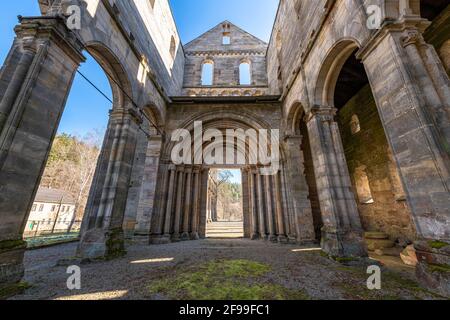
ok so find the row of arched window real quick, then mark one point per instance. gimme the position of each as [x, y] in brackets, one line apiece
[245, 77]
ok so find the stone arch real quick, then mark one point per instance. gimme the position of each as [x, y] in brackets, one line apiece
[118, 78]
[229, 120]
[293, 118]
[152, 112]
[331, 69]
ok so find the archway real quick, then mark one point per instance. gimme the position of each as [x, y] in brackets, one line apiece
[183, 210]
[60, 203]
[373, 172]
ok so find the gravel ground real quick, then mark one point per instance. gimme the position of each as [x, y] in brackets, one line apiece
[128, 278]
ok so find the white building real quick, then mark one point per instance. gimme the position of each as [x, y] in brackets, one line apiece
[53, 210]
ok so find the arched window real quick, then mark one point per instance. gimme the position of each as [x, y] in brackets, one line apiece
[355, 125]
[244, 74]
[207, 73]
[363, 186]
[226, 38]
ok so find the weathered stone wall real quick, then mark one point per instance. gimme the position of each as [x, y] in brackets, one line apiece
[368, 150]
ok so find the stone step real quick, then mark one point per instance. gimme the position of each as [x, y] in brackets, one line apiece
[225, 230]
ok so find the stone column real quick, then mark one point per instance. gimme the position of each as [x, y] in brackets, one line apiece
[204, 175]
[342, 234]
[196, 205]
[169, 207]
[253, 204]
[279, 209]
[261, 211]
[157, 221]
[34, 86]
[179, 205]
[411, 89]
[290, 227]
[269, 208]
[302, 222]
[146, 200]
[102, 231]
[247, 214]
[187, 205]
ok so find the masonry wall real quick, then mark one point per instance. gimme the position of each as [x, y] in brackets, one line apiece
[368, 151]
[226, 58]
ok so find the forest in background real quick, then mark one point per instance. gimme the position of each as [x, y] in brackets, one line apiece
[71, 166]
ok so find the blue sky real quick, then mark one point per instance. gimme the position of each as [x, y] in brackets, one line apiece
[86, 109]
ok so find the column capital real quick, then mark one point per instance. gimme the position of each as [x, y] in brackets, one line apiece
[323, 113]
[412, 37]
[406, 25]
[121, 114]
[41, 30]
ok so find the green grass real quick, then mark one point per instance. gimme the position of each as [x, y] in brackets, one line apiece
[441, 268]
[224, 280]
[13, 289]
[438, 244]
[48, 240]
[394, 287]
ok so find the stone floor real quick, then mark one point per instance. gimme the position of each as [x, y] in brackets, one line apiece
[286, 267]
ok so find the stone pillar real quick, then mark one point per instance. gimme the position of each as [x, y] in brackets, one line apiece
[261, 211]
[253, 204]
[204, 175]
[102, 231]
[147, 204]
[179, 205]
[187, 205]
[269, 207]
[169, 206]
[247, 214]
[342, 234]
[279, 209]
[157, 221]
[302, 222]
[196, 205]
[34, 85]
[411, 89]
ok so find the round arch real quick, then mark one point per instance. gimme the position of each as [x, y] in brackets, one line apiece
[330, 70]
[118, 79]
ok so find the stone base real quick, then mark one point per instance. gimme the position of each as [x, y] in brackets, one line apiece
[141, 239]
[195, 236]
[343, 244]
[11, 265]
[185, 236]
[176, 237]
[254, 236]
[160, 239]
[100, 244]
[433, 268]
[282, 239]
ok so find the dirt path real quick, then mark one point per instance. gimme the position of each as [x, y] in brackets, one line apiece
[291, 271]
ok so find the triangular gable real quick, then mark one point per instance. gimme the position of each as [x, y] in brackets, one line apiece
[212, 40]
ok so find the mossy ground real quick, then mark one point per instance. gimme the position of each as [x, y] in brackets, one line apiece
[224, 280]
[13, 289]
[438, 244]
[395, 286]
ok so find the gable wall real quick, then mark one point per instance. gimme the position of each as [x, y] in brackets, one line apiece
[226, 58]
